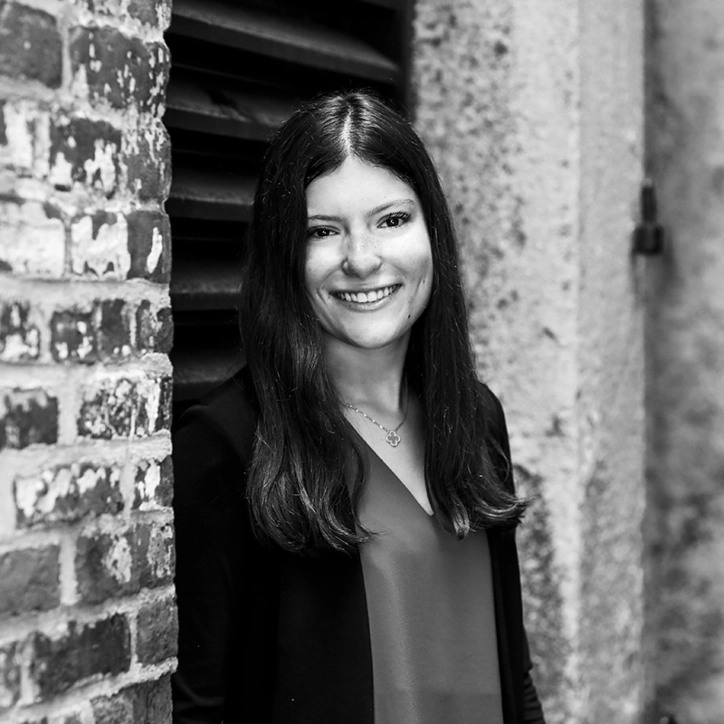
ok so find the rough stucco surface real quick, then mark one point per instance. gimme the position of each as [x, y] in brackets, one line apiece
[533, 112]
[685, 347]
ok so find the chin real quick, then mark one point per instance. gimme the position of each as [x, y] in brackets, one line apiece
[376, 342]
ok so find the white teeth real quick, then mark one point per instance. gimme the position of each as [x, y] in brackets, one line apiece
[366, 297]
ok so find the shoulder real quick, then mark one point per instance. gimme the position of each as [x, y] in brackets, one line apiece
[213, 442]
[225, 416]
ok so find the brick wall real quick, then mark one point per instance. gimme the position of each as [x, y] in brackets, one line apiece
[87, 616]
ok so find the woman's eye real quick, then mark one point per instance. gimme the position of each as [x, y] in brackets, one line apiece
[393, 221]
[319, 232]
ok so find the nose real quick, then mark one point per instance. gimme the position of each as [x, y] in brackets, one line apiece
[361, 257]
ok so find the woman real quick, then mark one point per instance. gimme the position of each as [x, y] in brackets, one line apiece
[345, 509]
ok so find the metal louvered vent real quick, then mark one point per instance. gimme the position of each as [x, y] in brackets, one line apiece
[238, 70]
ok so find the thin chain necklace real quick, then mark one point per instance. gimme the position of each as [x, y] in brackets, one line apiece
[392, 438]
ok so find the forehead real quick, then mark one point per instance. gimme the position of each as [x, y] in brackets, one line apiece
[356, 185]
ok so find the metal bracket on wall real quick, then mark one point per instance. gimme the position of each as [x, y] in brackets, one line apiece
[649, 234]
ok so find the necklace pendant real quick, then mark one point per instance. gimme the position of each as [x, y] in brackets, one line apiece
[392, 438]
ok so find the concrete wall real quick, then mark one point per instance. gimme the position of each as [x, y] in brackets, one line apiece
[87, 614]
[685, 348]
[533, 110]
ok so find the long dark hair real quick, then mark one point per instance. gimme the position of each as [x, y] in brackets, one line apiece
[308, 465]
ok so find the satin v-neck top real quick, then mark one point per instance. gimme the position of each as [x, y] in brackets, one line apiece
[431, 612]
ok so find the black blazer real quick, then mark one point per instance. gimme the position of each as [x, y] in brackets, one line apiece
[268, 637]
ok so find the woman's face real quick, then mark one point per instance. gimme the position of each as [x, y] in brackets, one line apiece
[369, 264]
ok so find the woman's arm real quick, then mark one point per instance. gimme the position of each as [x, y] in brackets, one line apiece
[208, 561]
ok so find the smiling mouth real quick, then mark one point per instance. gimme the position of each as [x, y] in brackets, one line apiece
[374, 295]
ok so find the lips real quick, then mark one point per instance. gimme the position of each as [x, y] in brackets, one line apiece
[372, 295]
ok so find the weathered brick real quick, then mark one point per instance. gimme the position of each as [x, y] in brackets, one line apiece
[147, 158]
[32, 242]
[156, 13]
[83, 650]
[145, 703]
[29, 580]
[165, 405]
[120, 70]
[9, 676]
[125, 407]
[67, 493]
[153, 485]
[30, 44]
[157, 628]
[81, 336]
[27, 138]
[19, 339]
[27, 417]
[72, 337]
[109, 565]
[99, 246]
[154, 332]
[113, 329]
[154, 554]
[85, 152]
[116, 709]
[149, 245]
[104, 566]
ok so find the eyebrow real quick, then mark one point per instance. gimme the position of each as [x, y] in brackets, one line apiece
[372, 212]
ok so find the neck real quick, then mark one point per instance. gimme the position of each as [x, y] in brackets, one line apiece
[367, 377]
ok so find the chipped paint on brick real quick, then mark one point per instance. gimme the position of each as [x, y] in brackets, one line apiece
[117, 560]
[27, 132]
[20, 138]
[72, 337]
[149, 244]
[84, 151]
[113, 328]
[160, 552]
[156, 248]
[147, 157]
[27, 417]
[38, 495]
[61, 172]
[67, 494]
[19, 339]
[117, 69]
[154, 329]
[10, 668]
[99, 246]
[122, 407]
[102, 167]
[31, 244]
[147, 483]
[153, 485]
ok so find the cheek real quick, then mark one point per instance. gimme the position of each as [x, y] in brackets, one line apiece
[313, 270]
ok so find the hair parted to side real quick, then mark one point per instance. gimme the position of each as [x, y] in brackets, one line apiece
[308, 466]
